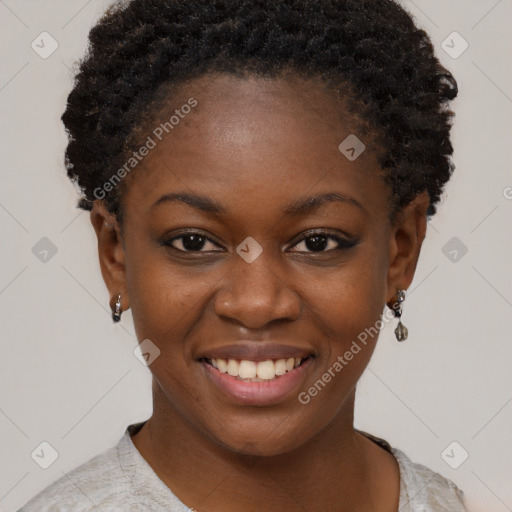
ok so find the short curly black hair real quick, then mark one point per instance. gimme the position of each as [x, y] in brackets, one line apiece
[371, 46]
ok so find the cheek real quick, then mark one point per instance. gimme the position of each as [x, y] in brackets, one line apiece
[349, 299]
[168, 301]
[173, 303]
[349, 307]
[166, 304]
[165, 299]
[350, 303]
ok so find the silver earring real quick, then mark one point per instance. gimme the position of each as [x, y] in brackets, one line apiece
[401, 331]
[116, 310]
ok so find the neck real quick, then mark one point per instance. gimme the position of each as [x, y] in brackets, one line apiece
[329, 472]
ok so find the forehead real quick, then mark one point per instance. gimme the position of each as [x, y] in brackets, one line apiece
[267, 140]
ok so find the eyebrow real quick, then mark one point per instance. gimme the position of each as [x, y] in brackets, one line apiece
[199, 202]
[299, 207]
[309, 204]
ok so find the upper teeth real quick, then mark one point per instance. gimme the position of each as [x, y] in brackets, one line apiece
[245, 369]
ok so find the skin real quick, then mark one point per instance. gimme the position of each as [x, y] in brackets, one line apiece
[255, 146]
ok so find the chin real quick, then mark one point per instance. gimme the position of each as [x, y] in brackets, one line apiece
[265, 437]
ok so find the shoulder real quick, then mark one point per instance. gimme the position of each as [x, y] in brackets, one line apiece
[95, 483]
[422, 489]
[119, 479]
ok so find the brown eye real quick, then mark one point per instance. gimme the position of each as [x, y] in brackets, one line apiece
[317, 243]
[190, 242]
[323, 242]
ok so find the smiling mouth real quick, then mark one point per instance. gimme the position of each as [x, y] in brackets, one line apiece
[256, 371]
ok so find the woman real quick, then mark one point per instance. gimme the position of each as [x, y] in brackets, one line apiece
[259, 176]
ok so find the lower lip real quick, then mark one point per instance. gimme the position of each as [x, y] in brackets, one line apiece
[258, 393]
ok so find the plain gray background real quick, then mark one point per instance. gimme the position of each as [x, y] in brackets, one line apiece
[69, 376]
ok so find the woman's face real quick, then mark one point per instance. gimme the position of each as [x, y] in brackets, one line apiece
[235, 271]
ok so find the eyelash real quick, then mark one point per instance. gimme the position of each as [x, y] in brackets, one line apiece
[343, 243]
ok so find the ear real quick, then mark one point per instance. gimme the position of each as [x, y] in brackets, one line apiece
[111, 253]
[407, 235]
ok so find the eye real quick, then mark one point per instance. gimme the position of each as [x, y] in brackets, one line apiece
[191, 242]
[323, 242]
[316, 242]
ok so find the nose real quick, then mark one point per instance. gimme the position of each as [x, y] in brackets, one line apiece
[255, 294]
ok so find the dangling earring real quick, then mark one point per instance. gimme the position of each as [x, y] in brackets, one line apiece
[401, 331]
[116, 310]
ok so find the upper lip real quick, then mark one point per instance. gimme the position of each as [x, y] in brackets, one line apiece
[256, 351]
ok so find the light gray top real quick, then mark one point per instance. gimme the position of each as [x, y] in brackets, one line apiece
[120, 479]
